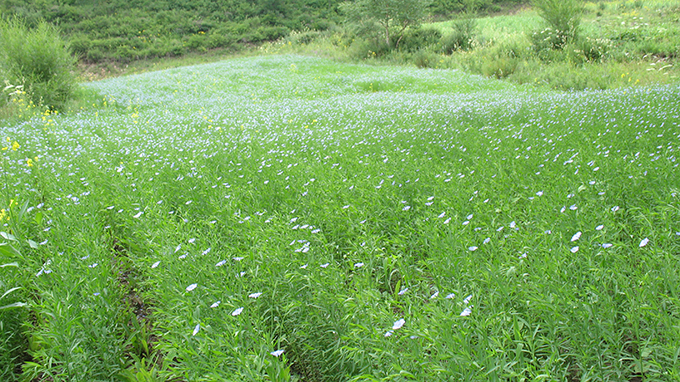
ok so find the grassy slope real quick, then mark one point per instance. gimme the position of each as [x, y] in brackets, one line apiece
[331, 188]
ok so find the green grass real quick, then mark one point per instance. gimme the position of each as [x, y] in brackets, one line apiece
[192, 222]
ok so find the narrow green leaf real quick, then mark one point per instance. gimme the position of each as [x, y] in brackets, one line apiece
[15, 305]
[9, 291]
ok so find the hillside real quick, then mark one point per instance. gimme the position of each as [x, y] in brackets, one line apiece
[124, 30]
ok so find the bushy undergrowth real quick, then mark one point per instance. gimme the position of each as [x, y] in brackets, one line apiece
[36, 62]
[638, 46]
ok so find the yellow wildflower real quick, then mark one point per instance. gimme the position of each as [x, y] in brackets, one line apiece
[15, 146]
[29, 162]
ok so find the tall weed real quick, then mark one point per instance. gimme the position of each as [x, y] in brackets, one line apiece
[563, 18]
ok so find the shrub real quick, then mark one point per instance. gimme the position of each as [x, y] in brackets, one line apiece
[462, 37]
[425, 59]
[218, 40]
[39, 60]
[501, 67]
[372, 48]
[420, 38]
[548, 39]
[594, 50]
[563, 18]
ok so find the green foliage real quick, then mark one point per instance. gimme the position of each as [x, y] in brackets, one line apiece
[39, 60]
[389, 18]
[12, 311]
[416, 39]
[123, 30]
[462, 37]
[450, 8]
[563, 18]
[425, 59]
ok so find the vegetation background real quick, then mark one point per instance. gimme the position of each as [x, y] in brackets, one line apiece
[560, 44]
[565, 45]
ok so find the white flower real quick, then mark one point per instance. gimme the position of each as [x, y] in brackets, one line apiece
[574, 249]
[447, 221]
[599, 227]
[358, 265]
[467, 299]
[442, 214]
[607, 245]
[450, 295]
[191, 241]
[191, 287]
[398, 324]
[644, 242]
[276, 353]
[138, 215]
[196, 329]
[402, 292]
[615, 208]
[237, 312]
[255, 295]
[473, 248]
[406, 208]
[434, 295]
[325, 265]
[156, 264]
[487, 240]
[215, 304]
[466, 312]
[221, 263]
[576, 236]
[389, 333]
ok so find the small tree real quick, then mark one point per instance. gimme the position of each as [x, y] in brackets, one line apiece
[393, 16]
[564, 16]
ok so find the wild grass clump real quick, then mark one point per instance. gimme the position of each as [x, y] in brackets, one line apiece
[462, 37]
[39, 60]
[563, 18]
